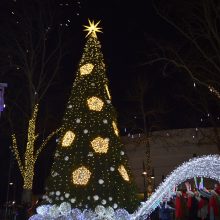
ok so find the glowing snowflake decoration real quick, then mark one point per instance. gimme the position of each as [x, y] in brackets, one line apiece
[86, 69]
[100, 145]
[81, 176]
[68, 139]
[95, 103]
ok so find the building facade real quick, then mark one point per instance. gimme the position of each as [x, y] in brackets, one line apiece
[169, 149]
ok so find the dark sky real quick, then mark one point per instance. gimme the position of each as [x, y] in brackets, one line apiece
[127, 28]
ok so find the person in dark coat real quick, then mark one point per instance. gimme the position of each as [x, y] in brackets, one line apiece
[165, 211]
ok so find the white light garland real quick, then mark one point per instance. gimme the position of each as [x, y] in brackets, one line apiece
[206, 166]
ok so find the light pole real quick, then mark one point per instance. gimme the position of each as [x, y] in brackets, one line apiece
[144, 174]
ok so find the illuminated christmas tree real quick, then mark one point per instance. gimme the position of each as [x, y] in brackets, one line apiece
[90, 167]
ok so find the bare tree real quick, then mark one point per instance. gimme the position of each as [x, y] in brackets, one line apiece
[31, 54]
[197, 51]
[144, 120]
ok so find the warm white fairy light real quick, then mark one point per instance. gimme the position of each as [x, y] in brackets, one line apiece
[81, 176]
[100, 145]
[206, 166]
[123, 173]
[214, 91]
[68, 139]
[95, 103]
[86, 69]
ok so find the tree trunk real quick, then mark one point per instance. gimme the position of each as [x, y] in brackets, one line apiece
[26, 196]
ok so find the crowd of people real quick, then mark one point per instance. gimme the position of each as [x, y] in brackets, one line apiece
[188, 204]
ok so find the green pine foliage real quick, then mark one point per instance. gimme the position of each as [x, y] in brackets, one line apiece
[106, 186]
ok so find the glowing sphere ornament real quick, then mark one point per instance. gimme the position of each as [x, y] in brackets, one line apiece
[123, 173]
[86, 69]
[68, 139]
[81, 176]
[100, 145]
[95, 103]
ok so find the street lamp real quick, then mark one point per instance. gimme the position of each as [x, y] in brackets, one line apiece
[152, 174]
[144, 174]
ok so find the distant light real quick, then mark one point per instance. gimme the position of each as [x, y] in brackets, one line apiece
[144, 173]
[194, 84]
[11, 183]
[152, 177]
[4, 105]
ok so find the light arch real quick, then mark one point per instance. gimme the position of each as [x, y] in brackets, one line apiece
[205, 166]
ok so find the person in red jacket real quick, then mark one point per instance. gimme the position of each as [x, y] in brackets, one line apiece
[213, 206]
[178, 206]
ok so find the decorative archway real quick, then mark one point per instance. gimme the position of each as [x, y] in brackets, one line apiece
[205, 166]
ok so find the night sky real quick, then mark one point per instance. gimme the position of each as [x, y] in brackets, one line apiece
[128, 30]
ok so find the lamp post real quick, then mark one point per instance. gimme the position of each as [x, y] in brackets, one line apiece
[153, 178]
[144, 174]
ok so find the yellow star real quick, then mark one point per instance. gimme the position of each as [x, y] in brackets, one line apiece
[92, 28]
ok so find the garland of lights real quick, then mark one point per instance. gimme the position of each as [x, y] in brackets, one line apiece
[206, 166]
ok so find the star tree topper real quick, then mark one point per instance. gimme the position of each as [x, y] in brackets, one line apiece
[92, 28]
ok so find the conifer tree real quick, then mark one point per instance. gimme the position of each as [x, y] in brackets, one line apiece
[90, 166]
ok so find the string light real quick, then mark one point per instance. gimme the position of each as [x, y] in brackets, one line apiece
[123, 173]
[86, 69]
[95, 103]
[81, 176]
[206, 166]
[27, 167]
[100, 145]
[214, 91]
[68, 139]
